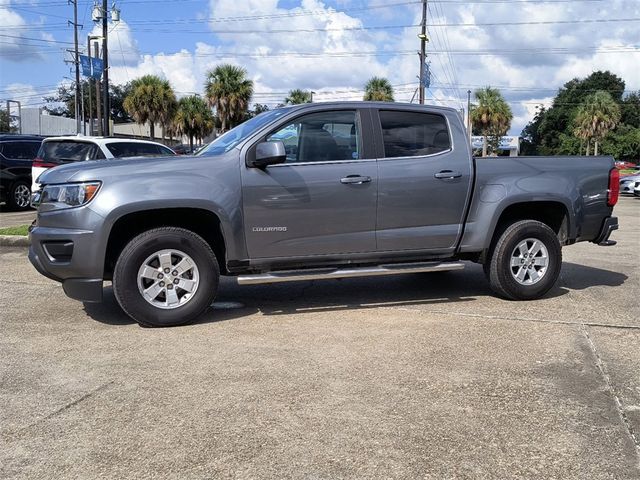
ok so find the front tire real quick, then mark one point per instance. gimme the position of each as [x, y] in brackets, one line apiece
[166, 277]
[525, 262]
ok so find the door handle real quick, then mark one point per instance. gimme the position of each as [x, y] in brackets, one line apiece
[355, 180]
[447, 174]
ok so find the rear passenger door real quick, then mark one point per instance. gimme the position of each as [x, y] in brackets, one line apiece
[424, 177]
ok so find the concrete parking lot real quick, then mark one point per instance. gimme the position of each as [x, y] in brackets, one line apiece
[13, 219]
[416, 376]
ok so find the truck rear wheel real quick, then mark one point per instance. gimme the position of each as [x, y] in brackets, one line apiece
[525, 262]
[166, 277]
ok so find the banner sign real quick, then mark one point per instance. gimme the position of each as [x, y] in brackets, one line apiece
[91, 67]
[85, 64]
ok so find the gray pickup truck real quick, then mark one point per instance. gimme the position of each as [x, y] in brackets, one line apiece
[315, 191]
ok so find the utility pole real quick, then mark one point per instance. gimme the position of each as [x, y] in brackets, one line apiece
[105, 72]
[423, 48]
[76, 61]
[98, 112]
[89, 80]
[469, 115]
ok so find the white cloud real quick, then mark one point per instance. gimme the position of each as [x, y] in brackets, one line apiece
[15, 29]
[529, 75]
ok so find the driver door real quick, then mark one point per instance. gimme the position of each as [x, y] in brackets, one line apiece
[322, 200]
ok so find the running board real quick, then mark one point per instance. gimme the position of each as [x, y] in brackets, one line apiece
[327, 273]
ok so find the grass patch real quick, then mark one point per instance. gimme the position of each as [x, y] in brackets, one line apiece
[18, 230]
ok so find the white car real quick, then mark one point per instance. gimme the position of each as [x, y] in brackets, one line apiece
[56, 151]
[628, 183]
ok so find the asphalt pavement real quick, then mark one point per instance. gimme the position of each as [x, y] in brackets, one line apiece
[417, 376]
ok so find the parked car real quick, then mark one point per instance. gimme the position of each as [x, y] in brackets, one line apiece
[636, 190]
[56, 151]
[16, 156]
[628, 182]
[625, 165]
[371, 189]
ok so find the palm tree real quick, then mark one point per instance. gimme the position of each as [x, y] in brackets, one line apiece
[229, 91]
[596, 117]
[193, 118]
[491, 116]
[297, 96]
[378, 89]
[151, 100]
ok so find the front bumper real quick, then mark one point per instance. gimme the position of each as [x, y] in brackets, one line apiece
[71, 255]
[608, 226]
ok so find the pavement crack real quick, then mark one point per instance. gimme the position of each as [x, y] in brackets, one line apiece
[68, 405]
[522, 319]
[602, 368]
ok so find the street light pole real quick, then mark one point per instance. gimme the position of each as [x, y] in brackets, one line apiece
[105, 72]
[76, 62]
[423, 48]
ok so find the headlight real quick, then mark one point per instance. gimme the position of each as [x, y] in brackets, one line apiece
[69, 195]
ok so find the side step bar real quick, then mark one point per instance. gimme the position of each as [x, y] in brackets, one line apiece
[327, 273]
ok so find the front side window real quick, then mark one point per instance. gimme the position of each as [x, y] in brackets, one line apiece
[321, 137]
[413, 134]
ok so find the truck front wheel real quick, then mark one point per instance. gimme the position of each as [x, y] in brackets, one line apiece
[166, 277]
[525, 262]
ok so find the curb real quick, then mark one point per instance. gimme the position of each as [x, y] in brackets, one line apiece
[14, 241]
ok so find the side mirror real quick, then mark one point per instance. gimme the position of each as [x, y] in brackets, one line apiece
[268, 153]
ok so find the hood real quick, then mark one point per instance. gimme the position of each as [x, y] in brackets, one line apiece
[113, 168]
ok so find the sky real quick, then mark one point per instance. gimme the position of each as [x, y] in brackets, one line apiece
[526, 48]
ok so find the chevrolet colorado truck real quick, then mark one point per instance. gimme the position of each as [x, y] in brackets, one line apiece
[315, 191]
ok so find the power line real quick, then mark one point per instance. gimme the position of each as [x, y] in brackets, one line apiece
[35, 39]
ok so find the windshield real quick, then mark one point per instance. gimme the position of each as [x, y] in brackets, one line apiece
[233, 137]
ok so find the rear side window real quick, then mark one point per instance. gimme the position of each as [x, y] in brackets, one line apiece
[66, 151]
[413, 134]
[20, 150]
[134, 149]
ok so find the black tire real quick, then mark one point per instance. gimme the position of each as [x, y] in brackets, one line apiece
[19, 196]
[498, 267]
[134, 254]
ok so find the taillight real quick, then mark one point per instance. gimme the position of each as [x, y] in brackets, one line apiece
[40, 163]
[614, 187]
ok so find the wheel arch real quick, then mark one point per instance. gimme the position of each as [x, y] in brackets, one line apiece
[204, 223]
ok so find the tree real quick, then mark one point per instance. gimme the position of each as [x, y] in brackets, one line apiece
[193, 118]
[530, 137]
[229, 91]
[594, 118]
[63, 103]
[5, 122]
[559, 118]
[378, 89]
[630, 109]
[297, 96]
[151, 100]
[491, 116]
[623, 143]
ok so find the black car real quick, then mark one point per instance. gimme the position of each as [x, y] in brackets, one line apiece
[16, 156]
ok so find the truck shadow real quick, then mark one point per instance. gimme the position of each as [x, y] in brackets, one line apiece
[359, 293]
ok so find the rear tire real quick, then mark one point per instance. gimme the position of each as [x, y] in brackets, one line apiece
[19, 197]
[166, 277]
[525, 261]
